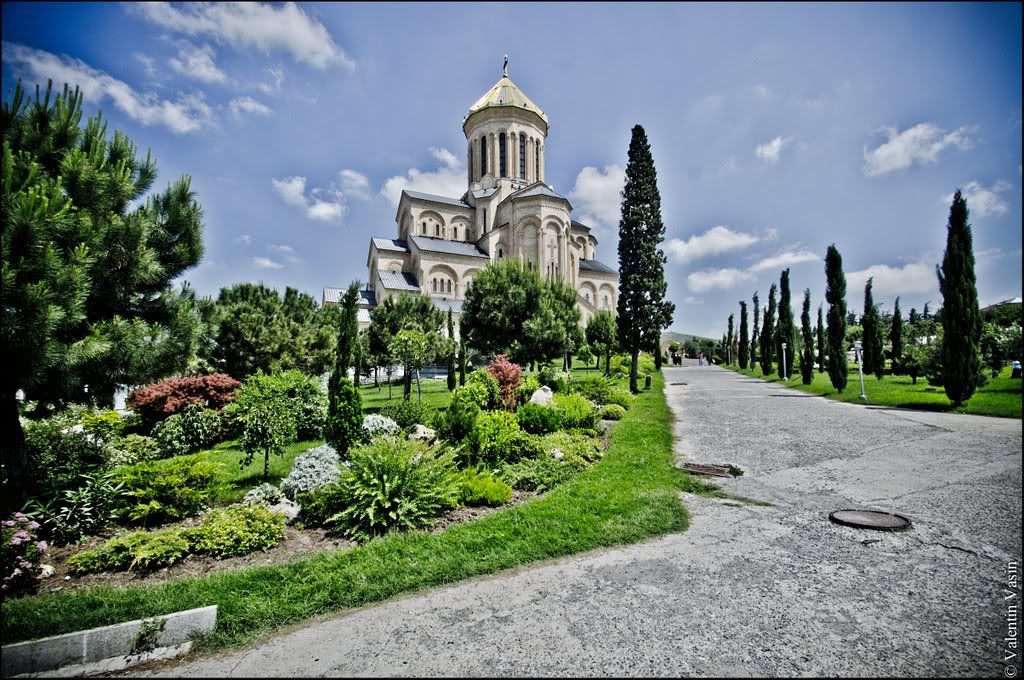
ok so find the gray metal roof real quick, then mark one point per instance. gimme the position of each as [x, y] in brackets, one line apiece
[484, 193]
[457, 202]
[595, 266]
[367, 297]
[334, 295]
[444, 304]
[393, 244]
[539, 189]
[579, 225]
[399, 281]
[441, 245]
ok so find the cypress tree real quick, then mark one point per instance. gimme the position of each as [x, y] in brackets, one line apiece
[755, 339]
[451, 353]
[962, 319]
[462, 356]
[731, 357]
[820, 332]
[926, 315]
[768, 335]
[722, 350]
[807, 356]
[914, 316]
[896, 336]
[343, 399]
[873, 353]
[642, 309]
[835, 295]
[744, 340]
[785, 331]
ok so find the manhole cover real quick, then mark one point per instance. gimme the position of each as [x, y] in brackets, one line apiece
[870, 519]
[725, 470]
[677, 383]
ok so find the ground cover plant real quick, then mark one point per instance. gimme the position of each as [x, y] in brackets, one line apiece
[630, 494]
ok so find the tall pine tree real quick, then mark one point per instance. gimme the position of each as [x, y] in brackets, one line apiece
[755, 339]
[785, 331]
[807, 355]
[731, 357]
[962, 319]
[820, 337]
[642, 309]
[768, 334]
[835, 296]
[896, 336]
[744, 340]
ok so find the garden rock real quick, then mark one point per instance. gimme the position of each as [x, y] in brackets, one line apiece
[543, 396]
[288, 508]
[46, 570]
[424, 434]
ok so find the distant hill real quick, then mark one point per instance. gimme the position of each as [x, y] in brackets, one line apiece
[669, 336]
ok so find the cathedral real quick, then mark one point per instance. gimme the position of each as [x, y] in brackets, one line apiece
[507, 211]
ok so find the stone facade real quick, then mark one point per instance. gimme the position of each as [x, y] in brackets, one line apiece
[507, 211]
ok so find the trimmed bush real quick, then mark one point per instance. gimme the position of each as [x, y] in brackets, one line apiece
[167, 397]
[480, 487]
[491, 388]
[406, 414]
[345, 417]
[596, 388]
[61, 451]
[456, 423]
[131, 449]
[576, 411]
[612, 412]
[377, 425]
[136, 550]
[313, 469]
[238, 530]
[20, 555]
[509, 377]
[537, 474]
[538, 419]
[394, 483]
[159, 492]
[620, 398]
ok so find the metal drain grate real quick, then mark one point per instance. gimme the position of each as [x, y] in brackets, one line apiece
[726, 470]
[870, 519]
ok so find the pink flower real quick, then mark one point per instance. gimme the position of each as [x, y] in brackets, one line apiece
[41, 546]
[33, 525]
[25, 565]
[16, 572]
[15, 540]
[9, 523]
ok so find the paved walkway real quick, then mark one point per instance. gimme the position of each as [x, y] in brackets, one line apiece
[748, 590]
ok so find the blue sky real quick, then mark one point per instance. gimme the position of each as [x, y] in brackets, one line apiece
[776, 130]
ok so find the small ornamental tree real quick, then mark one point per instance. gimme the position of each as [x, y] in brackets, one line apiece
[768, 334]
[585, 355]
[819, 333]
[785, 330]
[896, 336]
[744, 340]
[601, 335]
[345, 416]
[807, 356]
[412, 348]
[835, 296]
[509, 377]
[168, 397]
[962, 319]
[266, 431]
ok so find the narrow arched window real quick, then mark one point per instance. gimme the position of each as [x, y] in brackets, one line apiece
[433, 283]
[522, 157]
[502, 153]
[455, 233]
[499, 253]
[449, 285]
[423, 229]
[536, 160]
[483, 155]
[437, 230]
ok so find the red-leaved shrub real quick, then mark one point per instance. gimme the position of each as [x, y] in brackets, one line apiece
[509, 376]
[167, 397]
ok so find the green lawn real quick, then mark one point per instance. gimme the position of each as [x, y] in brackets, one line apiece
[435, 394]
[630, 495]
[1000, 397]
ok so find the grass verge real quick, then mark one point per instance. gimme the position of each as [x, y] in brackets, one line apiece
[1001, 397]
[630, 495]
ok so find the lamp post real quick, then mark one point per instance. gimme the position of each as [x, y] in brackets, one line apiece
[857, 346]
[784, 372]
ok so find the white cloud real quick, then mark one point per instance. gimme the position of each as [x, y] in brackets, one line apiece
[714, 241]
[147, 64]
[260, 25]
[281, 248]
[197, 63]
[244, 239]
[691, 300]
[709, 279]
[354, 184]
[922, 143]
[266, 263]
[447, 180]
[763, 91]
[984, 201]
[597, 196]
[240, 105]
[293, 191]
[188, 114]
[771, 150]
[783, 260]
[277, 75]
[911, 278]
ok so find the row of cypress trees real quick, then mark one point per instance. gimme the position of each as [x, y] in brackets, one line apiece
[962, 319]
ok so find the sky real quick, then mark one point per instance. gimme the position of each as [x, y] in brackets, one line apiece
[776, 129]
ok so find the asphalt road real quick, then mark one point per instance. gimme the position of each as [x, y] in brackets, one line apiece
[748, 590]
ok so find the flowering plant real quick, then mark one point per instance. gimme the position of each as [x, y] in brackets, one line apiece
[20, 553]
[508, 375]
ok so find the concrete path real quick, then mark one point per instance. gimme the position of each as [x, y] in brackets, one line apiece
[748, 590]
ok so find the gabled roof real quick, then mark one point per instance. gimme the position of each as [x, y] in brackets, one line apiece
[367, 298]
[391, 244]
[440, 245]
[595, 266]
[538, 189]
[434, 198]
[399, 281]
[506, 93]
[445, 304]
